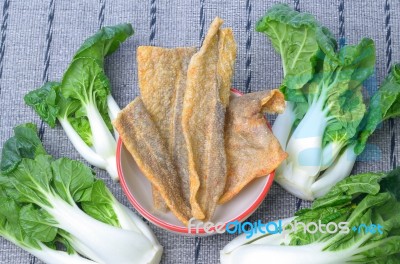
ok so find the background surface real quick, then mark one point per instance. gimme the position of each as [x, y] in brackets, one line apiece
[38, 39]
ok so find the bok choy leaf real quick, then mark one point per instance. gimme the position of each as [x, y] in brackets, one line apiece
[45, 203]
[82, 101]
[326, 123]
[362, 213]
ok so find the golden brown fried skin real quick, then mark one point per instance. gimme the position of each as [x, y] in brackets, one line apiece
[162, 81]
[158, 201]
[251, 148]
[206, 97]
[142, 139]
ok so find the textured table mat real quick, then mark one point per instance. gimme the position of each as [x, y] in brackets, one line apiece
[38, 39]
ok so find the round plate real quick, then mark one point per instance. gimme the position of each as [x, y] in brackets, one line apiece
[138, 190]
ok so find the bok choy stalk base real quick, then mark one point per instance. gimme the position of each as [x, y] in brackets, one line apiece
[326, 123]
[364, 199]
[82, 101]
[48, 204]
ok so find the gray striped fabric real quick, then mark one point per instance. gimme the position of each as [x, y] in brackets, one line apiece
[38, 39]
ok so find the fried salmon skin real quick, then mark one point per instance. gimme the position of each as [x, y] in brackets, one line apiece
[162, 76]
[251, 148]
[144, 142]
[206, 97]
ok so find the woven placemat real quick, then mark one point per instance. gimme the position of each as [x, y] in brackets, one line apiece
[38, 39]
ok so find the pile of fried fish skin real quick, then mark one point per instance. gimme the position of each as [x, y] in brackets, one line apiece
[198, 145]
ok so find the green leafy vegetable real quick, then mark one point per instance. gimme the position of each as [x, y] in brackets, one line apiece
[82, 101]
[293, 35]
[46, 202]
[365, 208]
[384, 104]
[24, 144]
[326, 122]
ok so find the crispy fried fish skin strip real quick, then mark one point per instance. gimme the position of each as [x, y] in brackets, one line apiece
[252, 150]
[226, 61]
[158, 201]
[208, 85]
[143, 141]
[162, 81]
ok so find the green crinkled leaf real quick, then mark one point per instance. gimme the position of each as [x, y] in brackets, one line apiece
[293, 95]
[343, 241]
[9, 212]
[388, 215]
[326, 42]
[71, 179]
[24, 144]
[346, 71]
[100, 205]
[369, 210]
[391, 183]
[343, 191]
[384, 249]
[342, 79]
[3, 199]
[324, 215]
[38, 223]
[32, 179]
[384, 104]
[293, 35]
[348, 109]
[10, 227]
[85, 83]
[82, 127]
[104, 42]
[368, 203]
[362, 57]
[45, 102]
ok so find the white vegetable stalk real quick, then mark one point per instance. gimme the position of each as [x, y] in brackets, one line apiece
[335, 173]
[104, 143]
[146, 231]
[275, 249]
[242, 239]
[303, 165]
[113, 110]
[308, 136]
[283, 124]
[295, 181]
[329, 154]
[83, 249]
[102, 242]
[50, 256]
[309, 254]
[84, 150]
[102, 154]
[125, 218]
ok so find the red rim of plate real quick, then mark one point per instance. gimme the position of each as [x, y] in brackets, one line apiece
[161, 223]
